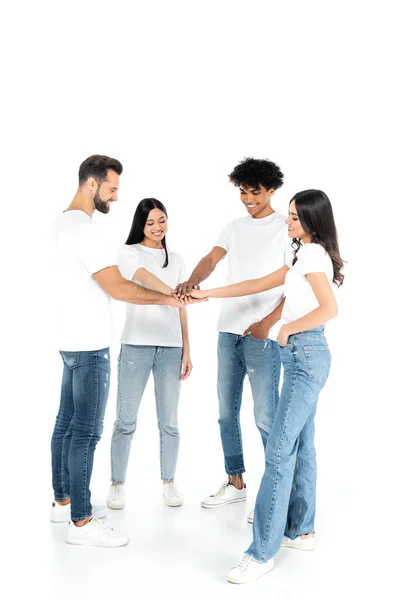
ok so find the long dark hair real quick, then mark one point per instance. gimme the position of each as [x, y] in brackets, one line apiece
[315, 212]
[140, 217]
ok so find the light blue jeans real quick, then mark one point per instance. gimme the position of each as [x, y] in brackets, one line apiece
[135, 364]
[239, 356]
[286, 499]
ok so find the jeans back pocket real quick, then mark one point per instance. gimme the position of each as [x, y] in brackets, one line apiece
[318, 359]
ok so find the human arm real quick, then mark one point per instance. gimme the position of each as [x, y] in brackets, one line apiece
[245, 288]
[326, 310]
[203, 270]
[119, 288]
[186, 361]
[151, 281]
[260, 330]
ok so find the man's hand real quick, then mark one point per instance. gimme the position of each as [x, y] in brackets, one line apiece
[185, 289]
[259, 330]
[174, 301]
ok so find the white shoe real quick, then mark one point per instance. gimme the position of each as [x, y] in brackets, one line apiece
[249, 570]
[95, 533]
[226, 494]
[172, 496]
[299, 543]
[116, 497]
[62, 514]
[250, 517]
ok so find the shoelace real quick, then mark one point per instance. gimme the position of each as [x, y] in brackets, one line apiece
[222, 489]
[244, 563]
[102, 525]
[118, 491]
[171, 490]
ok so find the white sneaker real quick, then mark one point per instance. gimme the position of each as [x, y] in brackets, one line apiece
[226, 494]
[249, 570]
[62, 514]
[172, 496]
[95, 533]
[116, 497]
[250, 517]
[299, 543]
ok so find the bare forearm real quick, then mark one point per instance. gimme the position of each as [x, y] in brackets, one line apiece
[128, 291]
[185, 329]
[202, 271]
[152, 282]
[315, 318]
[251, 286]
[274, 316]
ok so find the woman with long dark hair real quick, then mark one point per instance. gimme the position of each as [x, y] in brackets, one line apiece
[285, 507]
[155, 339]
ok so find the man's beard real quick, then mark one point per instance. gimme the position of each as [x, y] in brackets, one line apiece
[100, 205]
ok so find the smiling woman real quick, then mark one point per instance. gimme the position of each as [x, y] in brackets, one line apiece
[154, 340]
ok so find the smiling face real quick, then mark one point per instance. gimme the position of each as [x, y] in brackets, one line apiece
[106, 192]
[257, 201]
[155, 228]
[295, 228]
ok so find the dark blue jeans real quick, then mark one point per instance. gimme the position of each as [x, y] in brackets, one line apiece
[78, 428]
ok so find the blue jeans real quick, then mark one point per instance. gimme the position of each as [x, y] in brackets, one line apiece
[78, 428]
[260, 360]
[134, 367]
[286, 499]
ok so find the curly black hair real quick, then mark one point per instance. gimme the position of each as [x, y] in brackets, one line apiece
[256, 172]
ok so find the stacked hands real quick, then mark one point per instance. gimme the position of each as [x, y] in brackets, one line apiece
[187, 293]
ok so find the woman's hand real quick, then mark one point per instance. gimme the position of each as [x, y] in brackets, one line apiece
[283, 336]
[198, 294]
[186, 366]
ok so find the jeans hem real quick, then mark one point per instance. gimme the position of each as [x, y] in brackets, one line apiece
[257, 559]
[236, 472]
[67, 497]
[82, 518]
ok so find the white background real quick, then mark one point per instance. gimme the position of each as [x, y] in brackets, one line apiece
[180, 92]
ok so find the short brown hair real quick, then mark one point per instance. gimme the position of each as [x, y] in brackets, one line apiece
[97, 166]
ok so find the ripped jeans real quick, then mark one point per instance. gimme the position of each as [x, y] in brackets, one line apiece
[239, 356]
[78, 428]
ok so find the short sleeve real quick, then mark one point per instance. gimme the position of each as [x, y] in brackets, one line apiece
[311, 259]
[224, 237]
[96, 254]
[129, 261]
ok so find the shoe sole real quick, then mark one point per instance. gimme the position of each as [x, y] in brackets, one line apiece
[204, 505]
[119, 507]
[297, 547]
[233, 580]
[173, 505]
[84, 543]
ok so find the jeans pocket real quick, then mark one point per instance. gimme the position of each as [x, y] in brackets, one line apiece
[318, 361]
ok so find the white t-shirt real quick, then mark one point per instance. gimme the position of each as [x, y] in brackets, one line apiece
[255, 247]
[300, 298]
[151, 325]
[83, 308]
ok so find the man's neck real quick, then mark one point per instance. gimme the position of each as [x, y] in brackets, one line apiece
[80, 202]
[268, 210]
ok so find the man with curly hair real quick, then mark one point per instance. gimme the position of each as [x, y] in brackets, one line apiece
[256, 245]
